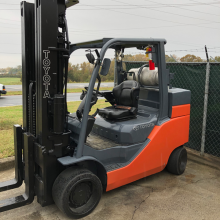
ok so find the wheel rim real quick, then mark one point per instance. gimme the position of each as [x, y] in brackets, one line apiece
[80, 194]
[182, 161]
[83, 196]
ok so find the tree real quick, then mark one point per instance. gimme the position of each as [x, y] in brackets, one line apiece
[217, 58]
[169, 59]
[138, 57]
[191, 58]
[70, 73]
[213, 60]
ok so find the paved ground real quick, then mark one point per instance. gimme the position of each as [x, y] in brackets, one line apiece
[69, 86]
[14, 100]
[195, 195]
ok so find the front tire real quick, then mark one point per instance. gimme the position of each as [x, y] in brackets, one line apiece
[77, 192]
[177, 161]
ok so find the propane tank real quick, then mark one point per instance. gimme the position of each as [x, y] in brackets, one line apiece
[147, 77]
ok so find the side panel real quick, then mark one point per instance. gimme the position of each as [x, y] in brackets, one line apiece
[154, 157]
[180, 110]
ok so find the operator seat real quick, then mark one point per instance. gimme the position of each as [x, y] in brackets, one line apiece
[126, 102]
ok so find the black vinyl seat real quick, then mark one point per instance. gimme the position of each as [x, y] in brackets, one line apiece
[126, 101]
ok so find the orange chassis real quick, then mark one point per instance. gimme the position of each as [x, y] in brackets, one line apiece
[154, 157]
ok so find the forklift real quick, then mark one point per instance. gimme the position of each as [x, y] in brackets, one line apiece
[70, 159]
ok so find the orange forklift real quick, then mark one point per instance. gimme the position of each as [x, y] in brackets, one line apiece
[70, 159]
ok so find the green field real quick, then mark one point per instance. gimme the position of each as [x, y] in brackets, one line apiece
[13, 115]
[10, 81]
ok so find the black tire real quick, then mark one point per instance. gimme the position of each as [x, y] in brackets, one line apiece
[77, 192]
[177, 161]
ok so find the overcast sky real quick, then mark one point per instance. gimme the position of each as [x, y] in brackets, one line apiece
[186, 25]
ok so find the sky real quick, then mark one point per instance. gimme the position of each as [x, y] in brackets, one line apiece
[187, 25]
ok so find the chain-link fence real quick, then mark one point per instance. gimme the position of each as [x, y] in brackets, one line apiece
[192, 76]
[212, 137]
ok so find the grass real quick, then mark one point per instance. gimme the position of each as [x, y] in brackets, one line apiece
[10, 81]
[8, 117]
[13, 115]
[68, 91]
[12, 93]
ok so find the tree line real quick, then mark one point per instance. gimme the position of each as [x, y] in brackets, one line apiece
[82, 72]
[11, 71]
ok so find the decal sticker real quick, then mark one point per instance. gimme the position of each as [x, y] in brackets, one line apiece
[46, 77]
[139, 127]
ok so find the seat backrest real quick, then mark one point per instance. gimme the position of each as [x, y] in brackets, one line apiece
[127, 93]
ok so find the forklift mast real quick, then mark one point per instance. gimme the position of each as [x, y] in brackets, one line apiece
[44, 136]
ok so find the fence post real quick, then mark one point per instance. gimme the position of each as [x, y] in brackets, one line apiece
[205, 108]
[115, 71]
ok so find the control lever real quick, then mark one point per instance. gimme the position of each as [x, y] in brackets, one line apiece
[83, 95]
[94, 99]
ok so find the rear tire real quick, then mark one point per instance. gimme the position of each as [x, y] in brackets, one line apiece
[77, 192]
[177, 161]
